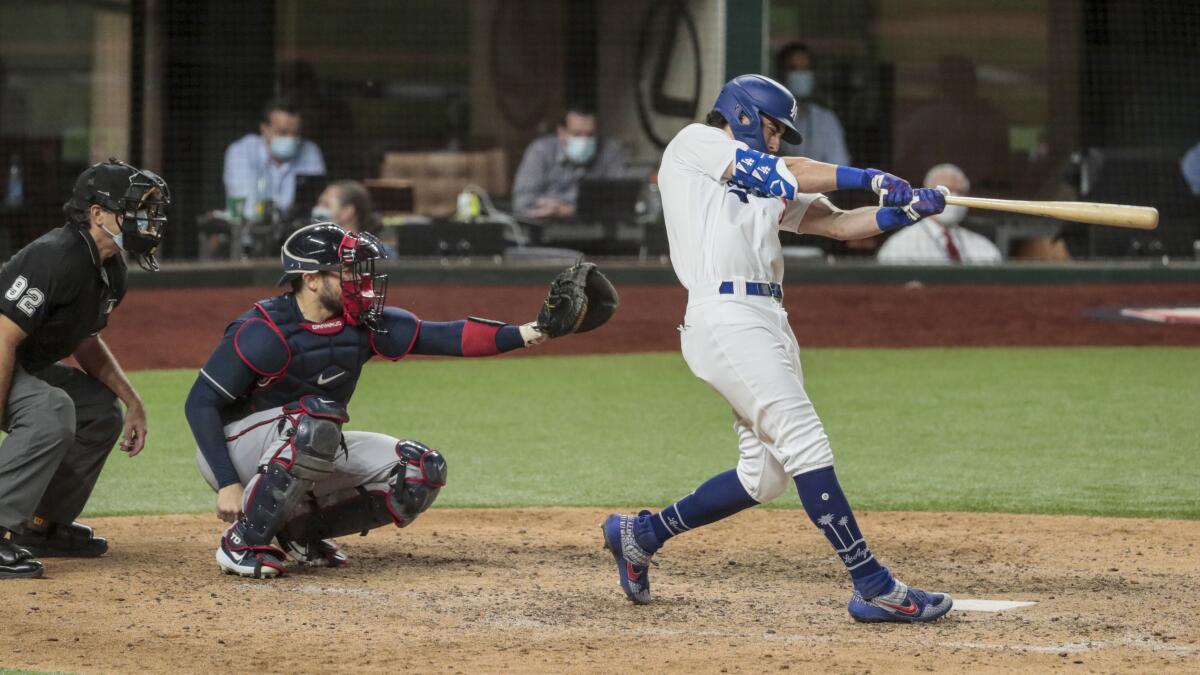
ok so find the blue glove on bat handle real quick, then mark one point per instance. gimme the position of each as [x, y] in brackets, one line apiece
[926, 202]
[892, 190]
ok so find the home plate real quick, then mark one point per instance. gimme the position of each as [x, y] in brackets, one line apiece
[989, 605]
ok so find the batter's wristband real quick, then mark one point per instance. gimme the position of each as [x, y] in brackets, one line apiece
[891, 218]
[850, 178]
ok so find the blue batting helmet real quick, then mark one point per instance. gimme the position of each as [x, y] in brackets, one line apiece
[751, 95]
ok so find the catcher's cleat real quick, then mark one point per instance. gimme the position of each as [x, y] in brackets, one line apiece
[904, 605]
[633, 561]
[16, 562]
[235, 556]
[315, 552]
[62, 541]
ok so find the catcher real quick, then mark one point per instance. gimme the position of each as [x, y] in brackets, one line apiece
[268, 407]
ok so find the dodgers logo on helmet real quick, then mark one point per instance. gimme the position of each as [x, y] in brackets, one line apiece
[745, 98]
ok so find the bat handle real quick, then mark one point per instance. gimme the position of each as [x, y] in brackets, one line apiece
[944, 190]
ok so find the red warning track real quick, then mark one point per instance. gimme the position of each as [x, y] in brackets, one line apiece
[173, 328]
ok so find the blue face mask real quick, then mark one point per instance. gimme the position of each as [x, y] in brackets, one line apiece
[801, 83]
[580, 149]
[285, 148]
[320, 214]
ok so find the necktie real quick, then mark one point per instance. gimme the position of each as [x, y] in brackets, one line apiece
[951, 247]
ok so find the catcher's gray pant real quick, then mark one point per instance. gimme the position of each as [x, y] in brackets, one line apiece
[366, 462]
[63, 423]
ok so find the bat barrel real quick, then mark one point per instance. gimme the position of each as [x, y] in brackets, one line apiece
[1114, 215]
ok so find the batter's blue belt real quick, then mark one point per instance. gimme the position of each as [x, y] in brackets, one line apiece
[769, 289]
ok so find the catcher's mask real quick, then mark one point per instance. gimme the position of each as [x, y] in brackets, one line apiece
[325, 247]
[138, 197]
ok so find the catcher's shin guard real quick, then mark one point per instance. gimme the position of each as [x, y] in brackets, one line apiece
[271, 496]
[413, 485]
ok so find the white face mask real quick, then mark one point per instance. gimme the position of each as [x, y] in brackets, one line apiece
[285, 148]
[952, 215]
[801, 83]
[118, 238]
[579, 149]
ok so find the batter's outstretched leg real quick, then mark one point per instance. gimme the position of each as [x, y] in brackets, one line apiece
[877, 595]
[271, 495]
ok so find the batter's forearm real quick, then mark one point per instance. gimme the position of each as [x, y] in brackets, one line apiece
[812, 176]
[860, 223]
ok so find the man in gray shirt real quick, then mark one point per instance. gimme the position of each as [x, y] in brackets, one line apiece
[824, 139]
[548, 178]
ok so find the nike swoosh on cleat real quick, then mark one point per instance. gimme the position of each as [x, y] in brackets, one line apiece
[908, 609]
[633, 574]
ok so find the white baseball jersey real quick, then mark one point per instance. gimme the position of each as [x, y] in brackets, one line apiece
[717, 231]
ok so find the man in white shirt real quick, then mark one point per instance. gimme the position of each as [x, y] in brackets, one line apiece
[724, 201]
[824, 139]
[262, 167]
[941, 239]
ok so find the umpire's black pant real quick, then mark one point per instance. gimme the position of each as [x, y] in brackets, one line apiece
[63, 423]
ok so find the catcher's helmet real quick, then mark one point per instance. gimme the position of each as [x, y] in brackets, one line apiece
[750, 95]
[140, 197]
[325, 247]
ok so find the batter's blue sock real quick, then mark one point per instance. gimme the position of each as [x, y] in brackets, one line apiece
[718, 497]
[827, 507]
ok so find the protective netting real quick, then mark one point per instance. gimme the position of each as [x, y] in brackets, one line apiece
[415, 101]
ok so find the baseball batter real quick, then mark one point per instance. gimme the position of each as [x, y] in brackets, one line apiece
[725, 198]
[268, 406]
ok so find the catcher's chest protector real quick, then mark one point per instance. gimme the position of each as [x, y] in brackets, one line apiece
[327, 365]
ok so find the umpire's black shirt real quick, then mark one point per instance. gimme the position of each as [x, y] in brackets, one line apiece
[59, 292]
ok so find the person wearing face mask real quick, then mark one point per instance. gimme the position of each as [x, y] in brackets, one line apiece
[347, 204]
[941, 239]
[824, 139]
[547, 180]
[263, 167]
[56, 296]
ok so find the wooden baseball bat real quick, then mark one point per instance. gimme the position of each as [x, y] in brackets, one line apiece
[1114, 215]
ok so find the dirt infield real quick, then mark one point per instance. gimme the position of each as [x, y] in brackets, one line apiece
[532, 591]
[185, 324]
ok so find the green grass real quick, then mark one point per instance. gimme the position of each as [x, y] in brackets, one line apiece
[1086, 431]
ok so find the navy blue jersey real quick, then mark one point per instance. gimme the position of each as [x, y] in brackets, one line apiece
[271, 356]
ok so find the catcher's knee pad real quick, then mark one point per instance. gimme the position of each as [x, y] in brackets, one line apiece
[415, 481]
[317, 435]
[412, 486]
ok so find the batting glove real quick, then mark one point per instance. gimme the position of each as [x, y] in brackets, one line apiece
[892, 190]
[925, 202]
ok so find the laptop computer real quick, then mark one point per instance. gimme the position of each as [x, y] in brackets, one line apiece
[608, 200]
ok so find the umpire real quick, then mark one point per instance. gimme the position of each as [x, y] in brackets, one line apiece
[62, 422]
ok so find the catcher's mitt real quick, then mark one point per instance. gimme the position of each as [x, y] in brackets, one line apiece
[580, 299]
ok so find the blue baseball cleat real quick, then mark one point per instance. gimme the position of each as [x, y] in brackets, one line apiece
[633, 561]
[904, 605]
